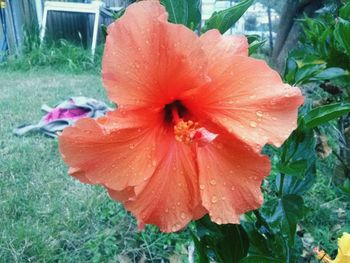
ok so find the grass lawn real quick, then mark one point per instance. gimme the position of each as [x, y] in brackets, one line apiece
[45, 215]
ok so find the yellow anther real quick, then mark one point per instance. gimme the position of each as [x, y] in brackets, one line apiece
[184, 131]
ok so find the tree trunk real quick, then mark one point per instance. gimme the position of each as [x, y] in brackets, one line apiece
[289, 30]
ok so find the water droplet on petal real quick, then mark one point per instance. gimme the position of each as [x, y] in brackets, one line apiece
[132, 146]
[201, 186]
[154, 162]
[218, 221]
[253, 124]
[259, 113]
[214, 199]
[213, 182]
[233, 188]
[183, 216]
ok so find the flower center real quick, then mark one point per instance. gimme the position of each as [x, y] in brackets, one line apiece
[186, 131]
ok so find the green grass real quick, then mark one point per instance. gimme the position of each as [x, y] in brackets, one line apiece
[45, 215]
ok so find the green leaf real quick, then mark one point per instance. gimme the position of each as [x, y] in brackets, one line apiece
[225, 19]
[294, 168]
[229, 242]
[255, 43]
[260, 259]
[118, 14]
[259, 243]
[299, 153]
[284, 215]
[290, 71]
[200, 248]
[344, 12]
[331, 73]
[253, 47]
[324, 114]
[345, 188]
[186, 12]
[296, 185]
[306, 72]
[342, 34]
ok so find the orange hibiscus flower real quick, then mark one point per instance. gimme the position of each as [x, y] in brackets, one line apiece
[193, 115]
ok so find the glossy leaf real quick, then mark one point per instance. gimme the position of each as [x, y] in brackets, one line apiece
[259, 243]
[284, 215]
[201, 249]
[294, 168]
[324, 114]
[186, 12]
[296, 185]
[331, 73]
[254, 47]
[344, 12]
[229, 243]
[225, 19]
[342, 34]
[298, 152]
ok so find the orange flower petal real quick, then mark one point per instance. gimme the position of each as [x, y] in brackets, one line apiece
[79, 174]
[122, 196]
[116, 157]
[249, 99]
[230, 175]
[170, 199]
[216, 45]
[148, 61]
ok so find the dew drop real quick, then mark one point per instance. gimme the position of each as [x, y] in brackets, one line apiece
[259, 113]
[253, 124]
[178, 203]
[214, 199]
[218, 221]
[233, 188]
[201, 186]
[131, 146]
[212, 182]
[154, 163]
[183, 216]
[166, 210]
